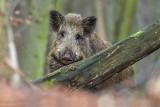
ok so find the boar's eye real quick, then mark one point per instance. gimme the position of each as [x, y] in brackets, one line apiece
[62, 34]
[78, 37]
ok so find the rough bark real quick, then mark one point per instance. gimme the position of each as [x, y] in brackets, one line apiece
[99, 67]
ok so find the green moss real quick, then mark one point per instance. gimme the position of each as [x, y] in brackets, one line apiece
[47, 84]
[137, 34]
[50, 82]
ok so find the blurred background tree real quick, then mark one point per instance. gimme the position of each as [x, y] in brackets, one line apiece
[117, 19]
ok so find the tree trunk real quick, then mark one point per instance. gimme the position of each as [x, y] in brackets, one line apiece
[3, 40]
[32, 46]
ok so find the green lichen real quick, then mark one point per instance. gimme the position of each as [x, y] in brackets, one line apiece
[47, 84]
[50, 82]
[137, 34]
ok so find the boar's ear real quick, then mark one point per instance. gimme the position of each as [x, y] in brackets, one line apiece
[56, 19]
[89, 24]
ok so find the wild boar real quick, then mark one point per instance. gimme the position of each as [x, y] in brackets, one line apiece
[76, 39]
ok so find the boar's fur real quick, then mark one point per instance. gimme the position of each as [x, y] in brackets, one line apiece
[76, 39]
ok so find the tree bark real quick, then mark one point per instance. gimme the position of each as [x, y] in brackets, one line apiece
[99, 67]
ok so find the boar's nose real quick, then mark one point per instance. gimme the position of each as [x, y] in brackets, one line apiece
[66, 59]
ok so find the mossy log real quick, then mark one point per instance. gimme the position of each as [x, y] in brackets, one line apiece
[93, 70]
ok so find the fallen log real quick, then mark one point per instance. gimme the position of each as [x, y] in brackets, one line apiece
[89, 72]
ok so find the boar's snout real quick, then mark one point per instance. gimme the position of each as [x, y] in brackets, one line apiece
[66, 60]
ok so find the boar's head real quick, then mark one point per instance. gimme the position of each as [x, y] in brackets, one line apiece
[73, 33]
